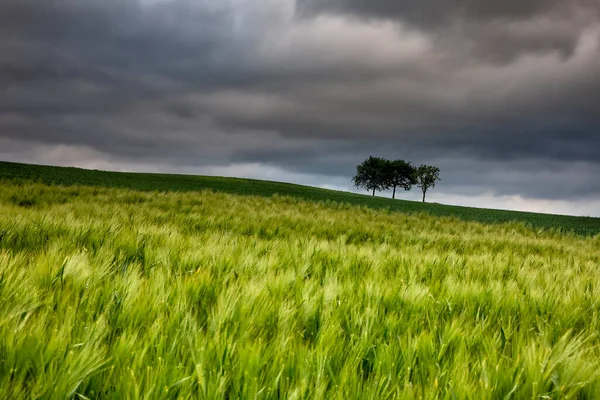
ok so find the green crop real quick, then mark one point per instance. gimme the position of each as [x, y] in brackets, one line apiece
[22, 173]
[126, 294]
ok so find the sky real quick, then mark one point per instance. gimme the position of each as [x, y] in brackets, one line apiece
[502, 95]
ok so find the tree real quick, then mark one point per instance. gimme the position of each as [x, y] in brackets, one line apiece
[370, 175]
[399, 173]
[427, 176]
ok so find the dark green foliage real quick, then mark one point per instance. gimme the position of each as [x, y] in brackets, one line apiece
[22, 173]
[371, 175]
[400, 173]
[426, 177]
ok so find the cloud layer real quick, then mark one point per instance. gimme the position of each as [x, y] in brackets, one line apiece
[502, 95]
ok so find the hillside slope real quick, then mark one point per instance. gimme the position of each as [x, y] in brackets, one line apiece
[182, 183]
[116, 293]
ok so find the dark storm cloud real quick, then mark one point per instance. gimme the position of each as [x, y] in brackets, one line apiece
[435, 12]
[502, 95]
[497, 29]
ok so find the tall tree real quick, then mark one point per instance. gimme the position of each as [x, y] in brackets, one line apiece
[370, 175]
[427, 176]
[400, 173]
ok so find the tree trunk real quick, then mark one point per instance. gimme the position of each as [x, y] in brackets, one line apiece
[373, 192]
[394, 194]
[424, 196]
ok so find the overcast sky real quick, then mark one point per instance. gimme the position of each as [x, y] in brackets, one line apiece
[502, 95]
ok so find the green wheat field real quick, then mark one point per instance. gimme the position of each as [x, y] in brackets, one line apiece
[112, 290]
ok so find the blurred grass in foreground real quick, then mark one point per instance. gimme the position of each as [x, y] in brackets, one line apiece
[116, 293]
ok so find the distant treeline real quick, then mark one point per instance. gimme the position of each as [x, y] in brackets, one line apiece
[376, 173]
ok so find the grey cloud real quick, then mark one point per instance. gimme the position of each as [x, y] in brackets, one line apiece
[503, 97]
[496, 30]
[431, 11]
[440, 12]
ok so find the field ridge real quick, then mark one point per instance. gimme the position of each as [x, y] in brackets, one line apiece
[69, 176]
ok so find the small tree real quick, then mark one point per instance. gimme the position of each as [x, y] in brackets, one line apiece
[370, 175]
[400, 173]
[427, 176]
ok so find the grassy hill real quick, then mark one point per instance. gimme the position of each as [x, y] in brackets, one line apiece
[15, 172]
[109, 292]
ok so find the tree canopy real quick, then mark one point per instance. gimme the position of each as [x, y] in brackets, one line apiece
[399, 173]
[376, 173]
[370, 175]
[427, 176]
